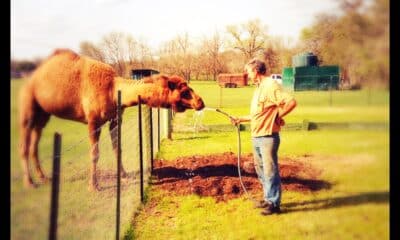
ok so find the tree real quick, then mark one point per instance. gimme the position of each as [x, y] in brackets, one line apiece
[120, 50]
[212, 60]
[91, 50]
[249, 38]
[358, 41]
[176, 56]
[272, 60]
[113, 45]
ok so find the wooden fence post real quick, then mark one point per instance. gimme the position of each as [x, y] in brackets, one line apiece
[55, 187]
[141, 149]
[118, 165]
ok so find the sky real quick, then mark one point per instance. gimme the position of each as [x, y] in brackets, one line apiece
[40, 26]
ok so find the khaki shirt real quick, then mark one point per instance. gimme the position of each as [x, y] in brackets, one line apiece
[268, 97]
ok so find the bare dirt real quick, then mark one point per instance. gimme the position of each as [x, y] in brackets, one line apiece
[217, 176]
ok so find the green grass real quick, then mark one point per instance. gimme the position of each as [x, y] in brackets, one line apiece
[356, 162]
[316, 106]
[82, 214]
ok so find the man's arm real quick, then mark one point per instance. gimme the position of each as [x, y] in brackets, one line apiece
[287, 108]
[238, 120]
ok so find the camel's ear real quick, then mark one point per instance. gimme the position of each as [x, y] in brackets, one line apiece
[175, 82]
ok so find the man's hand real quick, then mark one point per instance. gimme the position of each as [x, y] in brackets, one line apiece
[280, 121]
[235, 121]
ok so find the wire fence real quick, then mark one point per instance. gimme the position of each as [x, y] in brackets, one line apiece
[79, 210]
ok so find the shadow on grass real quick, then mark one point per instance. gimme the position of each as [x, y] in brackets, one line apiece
[361, 198]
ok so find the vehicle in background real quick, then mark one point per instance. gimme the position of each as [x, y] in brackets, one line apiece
[277, 77]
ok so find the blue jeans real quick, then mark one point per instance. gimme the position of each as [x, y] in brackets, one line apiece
[265, 151]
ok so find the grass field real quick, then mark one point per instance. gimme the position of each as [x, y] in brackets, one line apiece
[356, 162]
[82, 214]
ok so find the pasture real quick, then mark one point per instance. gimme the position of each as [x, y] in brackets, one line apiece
[355, 163]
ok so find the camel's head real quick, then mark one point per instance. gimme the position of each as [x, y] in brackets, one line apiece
[180, 95]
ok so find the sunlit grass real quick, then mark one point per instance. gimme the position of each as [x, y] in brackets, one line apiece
[355, 162]
[82, 214]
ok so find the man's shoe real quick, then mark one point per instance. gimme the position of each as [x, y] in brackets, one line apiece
[271, 210]
[263, 204]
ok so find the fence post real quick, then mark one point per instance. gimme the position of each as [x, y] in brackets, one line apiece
[151, 141]
[369, 96]
[55, 187]
[158, 128]
[118, 165]
[306, 125]
[140, 147]
[330, 92]
[169, 123]
[220, 96]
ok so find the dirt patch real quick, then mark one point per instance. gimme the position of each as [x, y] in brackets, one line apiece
[217, 176]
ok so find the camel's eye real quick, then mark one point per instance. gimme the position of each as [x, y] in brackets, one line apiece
[186, 94]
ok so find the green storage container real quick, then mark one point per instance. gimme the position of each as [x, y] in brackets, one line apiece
[311, 78]
[305, 71]
[287, 78]
[304, 60]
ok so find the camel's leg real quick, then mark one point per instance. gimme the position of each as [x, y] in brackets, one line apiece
[41, 119]
[114, 135]
[94, 135]
[26, 123]
[25, 138]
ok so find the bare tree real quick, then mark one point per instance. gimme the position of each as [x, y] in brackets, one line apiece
[272, 60]
[91, 50]
[113, 45]
[249, 37]
[176, 56]
[120, 50]
[212, 48]
[132, 46]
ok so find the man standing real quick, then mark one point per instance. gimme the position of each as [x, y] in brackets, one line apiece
[268, 107]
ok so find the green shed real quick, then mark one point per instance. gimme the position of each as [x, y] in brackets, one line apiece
[311, 78]
[304, 60]
[287, 78]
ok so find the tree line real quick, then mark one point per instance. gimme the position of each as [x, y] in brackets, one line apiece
[357, 40]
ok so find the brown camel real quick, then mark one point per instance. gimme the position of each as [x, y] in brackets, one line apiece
[81, 89]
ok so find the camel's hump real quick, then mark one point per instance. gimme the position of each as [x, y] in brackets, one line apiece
[59, 51]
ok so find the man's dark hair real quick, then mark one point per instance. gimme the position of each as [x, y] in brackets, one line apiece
[258, 65]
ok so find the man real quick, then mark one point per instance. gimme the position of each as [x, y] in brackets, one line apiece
[268, 107]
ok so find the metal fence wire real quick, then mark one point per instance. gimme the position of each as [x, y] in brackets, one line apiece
[79, 210]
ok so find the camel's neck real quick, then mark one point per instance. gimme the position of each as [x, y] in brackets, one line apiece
[131, 89]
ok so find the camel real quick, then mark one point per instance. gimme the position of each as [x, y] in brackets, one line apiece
[82, 89]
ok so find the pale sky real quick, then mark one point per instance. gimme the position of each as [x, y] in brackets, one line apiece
[39, 26]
